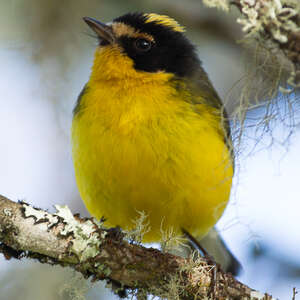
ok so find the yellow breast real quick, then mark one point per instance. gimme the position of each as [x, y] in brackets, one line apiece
[138, 146]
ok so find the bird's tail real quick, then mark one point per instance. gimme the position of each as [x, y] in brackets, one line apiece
[215, 246]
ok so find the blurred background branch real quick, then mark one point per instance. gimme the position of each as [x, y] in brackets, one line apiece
[277, 25]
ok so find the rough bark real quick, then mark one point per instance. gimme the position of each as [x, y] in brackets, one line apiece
[104, 254]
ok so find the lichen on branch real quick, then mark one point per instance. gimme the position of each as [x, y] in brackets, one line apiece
[274, 23]
[85, 245]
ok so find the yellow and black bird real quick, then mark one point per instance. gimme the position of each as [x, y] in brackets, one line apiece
[149, 131]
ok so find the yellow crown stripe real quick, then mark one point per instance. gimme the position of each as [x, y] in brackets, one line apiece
[164, 20]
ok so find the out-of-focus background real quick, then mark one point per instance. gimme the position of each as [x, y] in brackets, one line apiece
[45, 59]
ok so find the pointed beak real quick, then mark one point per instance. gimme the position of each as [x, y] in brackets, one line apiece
[103, 31]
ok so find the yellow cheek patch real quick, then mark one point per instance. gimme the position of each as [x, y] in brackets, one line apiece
[121, 29]
[165, 21]
[110, 63]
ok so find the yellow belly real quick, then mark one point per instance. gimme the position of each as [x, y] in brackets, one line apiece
[150, 152]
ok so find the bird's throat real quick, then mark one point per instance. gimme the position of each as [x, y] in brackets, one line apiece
[110, 63]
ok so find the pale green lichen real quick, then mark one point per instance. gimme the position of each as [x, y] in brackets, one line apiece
[86, 241]
[197, 270]
[7, 212]
[141, 227]
[170, 240]
[39, 215]
[104, 269]
[272, 23]
[276, 16]
[259, 296]
[222, 4]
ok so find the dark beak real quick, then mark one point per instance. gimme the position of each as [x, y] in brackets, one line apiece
[103, 31]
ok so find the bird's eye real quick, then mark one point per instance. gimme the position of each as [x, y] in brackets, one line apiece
[142, 45]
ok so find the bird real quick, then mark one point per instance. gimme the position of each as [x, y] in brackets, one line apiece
[150, 134]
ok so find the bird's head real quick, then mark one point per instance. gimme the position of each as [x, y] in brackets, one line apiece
[137, 43]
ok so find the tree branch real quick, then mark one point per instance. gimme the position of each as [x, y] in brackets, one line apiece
[92, 250]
